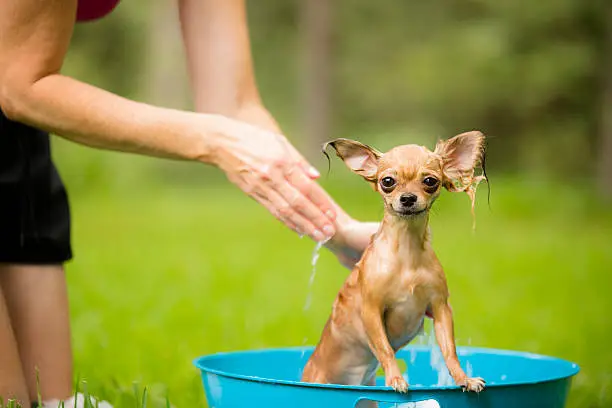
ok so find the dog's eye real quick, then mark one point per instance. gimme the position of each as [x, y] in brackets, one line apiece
[430, 181]
[387, 183]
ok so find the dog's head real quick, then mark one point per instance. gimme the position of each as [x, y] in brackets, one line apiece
[410, 177]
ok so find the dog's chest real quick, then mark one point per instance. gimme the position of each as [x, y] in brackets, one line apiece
[403, 320]
[405, 311]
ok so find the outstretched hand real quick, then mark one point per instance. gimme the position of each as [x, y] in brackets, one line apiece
[269, 169]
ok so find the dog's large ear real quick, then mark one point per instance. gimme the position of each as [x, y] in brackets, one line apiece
[461, 156]
[360, 158]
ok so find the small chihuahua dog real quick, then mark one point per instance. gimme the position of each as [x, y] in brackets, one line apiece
[399, 280]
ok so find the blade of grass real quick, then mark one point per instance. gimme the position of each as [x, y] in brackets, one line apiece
[38, 387]
[136, 394]
[76, 390]
[87, 401]
[144, 398]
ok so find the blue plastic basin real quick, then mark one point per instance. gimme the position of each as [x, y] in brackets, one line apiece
[270, 378]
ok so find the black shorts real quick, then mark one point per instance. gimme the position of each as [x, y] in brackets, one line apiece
[34, 211]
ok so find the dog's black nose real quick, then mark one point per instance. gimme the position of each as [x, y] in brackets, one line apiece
[408, 200]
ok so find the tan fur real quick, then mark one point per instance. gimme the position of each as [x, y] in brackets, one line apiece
[399, 280]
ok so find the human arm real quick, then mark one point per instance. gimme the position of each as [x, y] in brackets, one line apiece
[34, 37]
[222, 76]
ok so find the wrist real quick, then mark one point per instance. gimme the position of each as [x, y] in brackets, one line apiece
[344, 223]
[256, 114]
[352, 236]
[213, 131]
[223, 128]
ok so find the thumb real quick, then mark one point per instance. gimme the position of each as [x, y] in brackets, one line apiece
[308, 168]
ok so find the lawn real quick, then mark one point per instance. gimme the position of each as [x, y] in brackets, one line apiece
[165, 274]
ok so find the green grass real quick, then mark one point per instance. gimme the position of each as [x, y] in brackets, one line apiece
[162, 275]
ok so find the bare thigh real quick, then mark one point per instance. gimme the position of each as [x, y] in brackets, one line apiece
[37, 303]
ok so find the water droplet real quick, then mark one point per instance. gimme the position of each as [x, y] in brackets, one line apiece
[313, 263]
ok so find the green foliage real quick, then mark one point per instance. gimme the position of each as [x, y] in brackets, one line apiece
[528, 74]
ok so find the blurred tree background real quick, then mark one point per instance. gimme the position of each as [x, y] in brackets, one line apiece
[536, 77]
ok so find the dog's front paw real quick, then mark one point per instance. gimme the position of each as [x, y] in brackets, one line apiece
[473, 384]
[398, 383]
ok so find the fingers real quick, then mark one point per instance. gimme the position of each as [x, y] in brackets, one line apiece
[299, 208]
[265, 201]
[308, 169]
[303, 181]
[291, 203]
[278, 177]
[282, 210]
[299, 199]
[313, 193]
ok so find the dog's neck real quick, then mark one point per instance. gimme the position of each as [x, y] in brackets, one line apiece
[408, 236]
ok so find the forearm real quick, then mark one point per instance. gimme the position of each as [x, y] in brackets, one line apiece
[97, 118]
[34, 38]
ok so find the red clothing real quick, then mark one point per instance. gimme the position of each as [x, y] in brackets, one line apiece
[88, 10]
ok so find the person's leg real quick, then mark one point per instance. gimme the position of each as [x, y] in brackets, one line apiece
[34, 243]
[37, 302]
[12, 382]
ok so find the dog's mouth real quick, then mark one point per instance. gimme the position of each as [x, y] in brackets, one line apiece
[409, 213]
